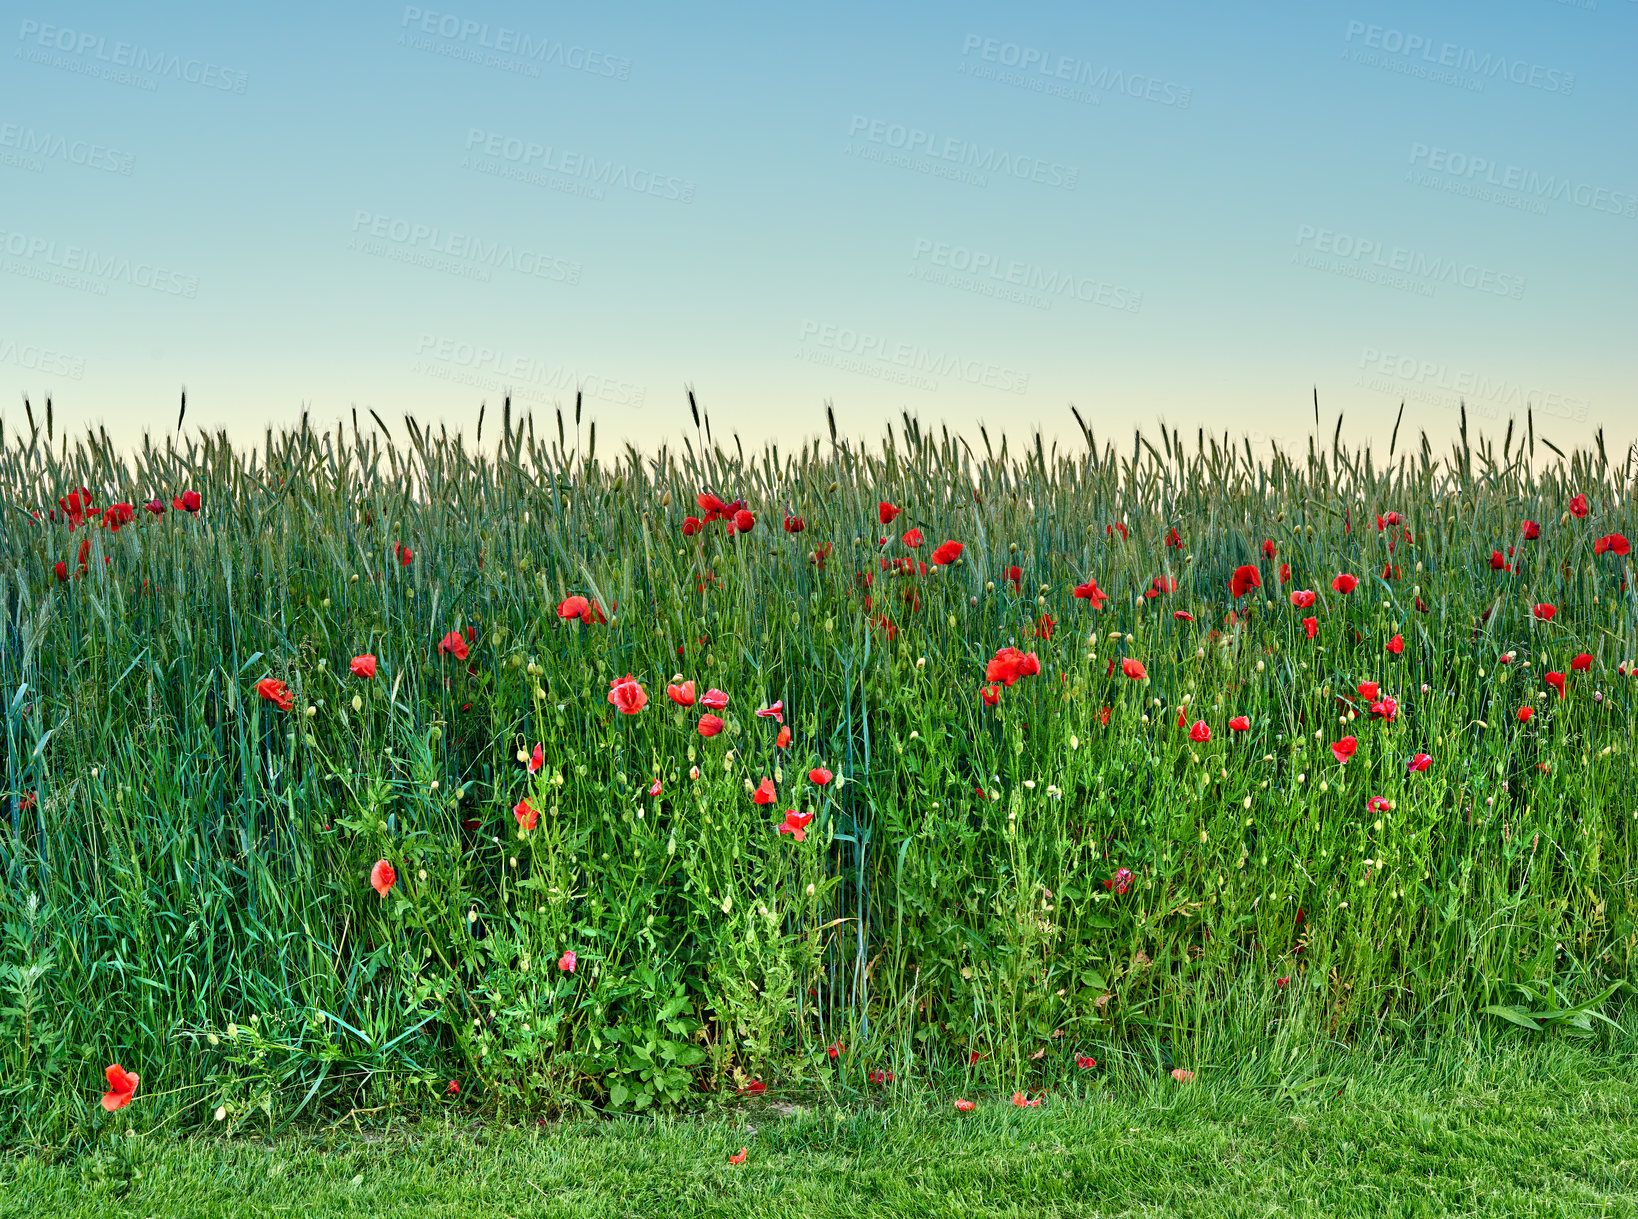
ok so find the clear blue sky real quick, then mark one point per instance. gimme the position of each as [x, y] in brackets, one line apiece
[1177, 210]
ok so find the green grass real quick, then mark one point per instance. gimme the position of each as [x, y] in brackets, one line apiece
[983, 894]
[1536, 1132]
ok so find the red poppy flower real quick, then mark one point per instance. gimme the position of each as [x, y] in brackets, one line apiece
[1303, 598]
[1345, 583]
[1183, 615]
[1200, 733]
[1524, 714]
[692, 525]
[1044, 626]
[947, 553]
[1245, 579]
[881, 1077]
[567, 962]
[682, 695]
[1581, 663]
[1133, 669]
[1498, 562]
[124, 514]
[1015, 577]
[1019, 1099]
[965, 1106]
[404, 553]
[276, 692]
[783, 741]
[1182, 1076]
[454, 1088]
[1121, 882]
[61, 569]
[122, 1086]
[382, 877]
[991, 694]
[1386, 709]
[1420, 762]
[1007, 666]
[1368, 690]
[1544, 612]
[744, 522]
[574, 607]
[715, 699]
[536, 760]
[819, 775]
[1091, 592]
[1084, 1062]
[1578, 506]
[188, 500]
[1532, 531]
[1396, 645]
[794, 524]
[713, 507]
[710, 725]
[1556, 681]
[1174, 539]
[765, 793]
[1285, 573]
[796, 825]
[1311, 625]
[1161, 584]
[775, 712]
[1344, 749]
[756, 1087]
[454, 644]
[526, 814]
[1241, 723]
[1613, 543]
[738, 1157]
[1268, 547]
[885, 512]
[627, 695]
[76, 507]
[912, 538]
[362, 666]
[1110, 529]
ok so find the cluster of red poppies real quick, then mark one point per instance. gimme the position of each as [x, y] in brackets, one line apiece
[79, 508]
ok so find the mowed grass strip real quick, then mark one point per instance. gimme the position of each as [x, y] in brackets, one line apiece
[1551, 1133]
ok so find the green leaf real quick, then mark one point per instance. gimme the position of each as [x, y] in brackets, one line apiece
[1516, 1015]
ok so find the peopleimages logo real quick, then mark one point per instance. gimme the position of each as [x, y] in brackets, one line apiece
[1067, 76]
[442, 250]
[35, 358]
[1439, 384]
[576, 172]
[915, 361]
[1396, 266]
[94, 55]
[1011, 279]
[525, 377]
[79, 267]
[1512, 185]
[959, 155]
[1453, 57]
[503, 47]
[27, 142]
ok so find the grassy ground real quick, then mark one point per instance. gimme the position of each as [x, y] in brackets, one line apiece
[1544, 1131]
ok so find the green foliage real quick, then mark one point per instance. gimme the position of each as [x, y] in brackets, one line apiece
[181, 857]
